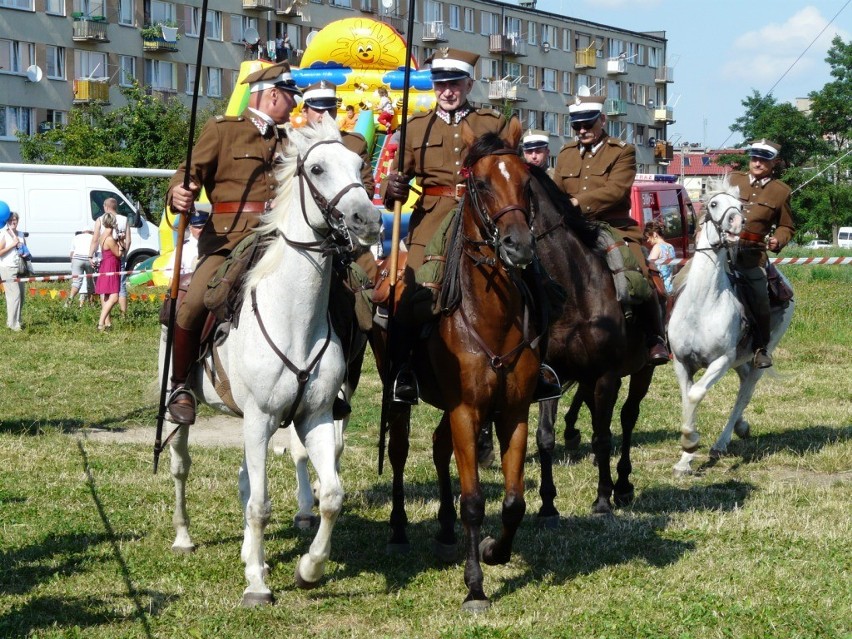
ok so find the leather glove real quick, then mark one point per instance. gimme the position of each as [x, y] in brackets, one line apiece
[397, 189]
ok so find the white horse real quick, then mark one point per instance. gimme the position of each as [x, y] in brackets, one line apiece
[284, 361]
[708, 328]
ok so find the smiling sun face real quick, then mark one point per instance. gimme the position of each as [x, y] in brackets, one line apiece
[369, 45]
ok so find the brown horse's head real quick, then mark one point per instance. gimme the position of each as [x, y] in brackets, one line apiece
[497, 201]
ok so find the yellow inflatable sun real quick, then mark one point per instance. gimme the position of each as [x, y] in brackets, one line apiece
[357, 43]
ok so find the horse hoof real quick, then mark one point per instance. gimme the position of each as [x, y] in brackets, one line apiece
[302, 583]
[601, 507]
[255, 599]
[742, 429]
[680, 473]
[183, 550]
[475, 606]
[625, 498]
[484, 546]
[573, 443]
[446, 553]
[398, 549]
[306, 522]
[717, 454]
[548, 522]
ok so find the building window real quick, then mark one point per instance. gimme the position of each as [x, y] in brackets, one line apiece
[548, 34]
[17, 4]
[490, 69]
[513, 27]
[126, 11]
[214, 82]
[55, 62]
[190, 80]
[14, 119]
[433, 11]
[239, 24]
[532, 76]
[455, 17]
[532, 119]
[654, 57]
[90, 8]
[566, 124]
[158, 12]
[490, 23]
[548, 79]
[90, 64]
[551, 123]
[640, 55]
[16, 56]
[615, 128]
[55, 7]
[214, 26]
[566, 39]
[56, 118]
[567, 86]
[468, 20]
[639, 136]
[126, 70]
[532, 32]
[161, 75]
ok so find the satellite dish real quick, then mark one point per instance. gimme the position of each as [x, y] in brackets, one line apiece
[310, 38]
[584, 91]
[251, 36]
[34, 73]
[388, 4]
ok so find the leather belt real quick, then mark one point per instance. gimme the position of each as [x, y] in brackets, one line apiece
[751, 237]
[456, 191]
[238, 207]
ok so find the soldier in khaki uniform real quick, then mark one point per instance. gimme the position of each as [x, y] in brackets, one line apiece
[434, 153]
[767, 203]
[597, 172]
[321, 98]
[233, 160]
[536, 150]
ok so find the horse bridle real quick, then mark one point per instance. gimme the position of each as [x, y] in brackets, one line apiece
[337, 239]
[718, 225]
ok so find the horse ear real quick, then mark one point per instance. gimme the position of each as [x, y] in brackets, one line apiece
[511, 134]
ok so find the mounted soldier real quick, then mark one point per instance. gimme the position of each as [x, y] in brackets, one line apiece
[536, 150]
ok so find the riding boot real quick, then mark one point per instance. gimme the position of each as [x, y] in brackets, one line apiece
[405, 389]
[762, 359]
[181, 402]
[655, 339]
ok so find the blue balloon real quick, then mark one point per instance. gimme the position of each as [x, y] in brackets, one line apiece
[4, 212]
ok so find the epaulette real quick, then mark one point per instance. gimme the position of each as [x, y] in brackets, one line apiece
[420, 114]
[569, 145]
[616, 142]
[229, 118]
[489, 111]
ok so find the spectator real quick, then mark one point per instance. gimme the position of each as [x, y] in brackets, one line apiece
[122, 236]
[386, 110]
[81, 267]
[350, 119]
[109, 280]
[661, 252]
[280, 55]
[11, 242]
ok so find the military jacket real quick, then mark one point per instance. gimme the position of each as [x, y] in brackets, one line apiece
[766, 207]
[435, 152]
[600, 181]
[234, 163]
[356, 143]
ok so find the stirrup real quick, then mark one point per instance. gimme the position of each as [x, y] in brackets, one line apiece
[544, 388]
[181, 412]
[761, 359]
[406, 392]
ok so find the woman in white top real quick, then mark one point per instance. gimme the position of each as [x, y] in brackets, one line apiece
[10, 241]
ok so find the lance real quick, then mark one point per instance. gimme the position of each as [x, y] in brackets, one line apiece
[394, 256]
[182, 224]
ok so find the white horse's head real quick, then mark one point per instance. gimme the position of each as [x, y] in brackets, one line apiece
[330, 194]
[723, 215]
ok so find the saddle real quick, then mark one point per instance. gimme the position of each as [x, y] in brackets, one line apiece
[631, 286]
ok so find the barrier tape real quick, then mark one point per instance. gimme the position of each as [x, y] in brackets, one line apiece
[66, 278]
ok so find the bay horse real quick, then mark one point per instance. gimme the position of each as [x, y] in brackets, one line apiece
[708, 327]
[284, 361]
[480, 362]
[591, 344]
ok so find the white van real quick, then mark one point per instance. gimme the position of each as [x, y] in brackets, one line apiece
[54, 206]
[844, 237]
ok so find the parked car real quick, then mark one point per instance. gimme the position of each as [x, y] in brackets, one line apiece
[844, 237]
[817, 244]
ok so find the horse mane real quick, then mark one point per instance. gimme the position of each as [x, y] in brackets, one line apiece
[586, 230]
[716, 186]
[487, 144]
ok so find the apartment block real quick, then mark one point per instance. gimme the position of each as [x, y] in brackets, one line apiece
[55, 54]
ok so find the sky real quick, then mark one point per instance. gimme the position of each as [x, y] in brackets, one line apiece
[722, 50]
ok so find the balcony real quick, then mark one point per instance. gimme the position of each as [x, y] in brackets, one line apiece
[615, 107]
[258, 5]
[92, 29]
[368, 6]
[664, 114]
[433, 31]
[664, 74]
[87, 91]
[586, 58]
[158, 44]
[504, 90]
[507, 45]
[616, 66]
[299, 9]
[159, 37]
[397, 22]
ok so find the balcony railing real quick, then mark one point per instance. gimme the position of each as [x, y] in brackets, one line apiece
[368, 6]
[293, 9]
[585, 58]
[664, 74]
[616, 66]
[507, 44]
[664, 114]
[158, 44]
[88, 91]
[397, 22]
[433, 31]
[615, 107]
[260, 5]
[92, 29]
[503, 90]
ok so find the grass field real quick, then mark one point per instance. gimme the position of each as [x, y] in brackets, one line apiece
[756, 545]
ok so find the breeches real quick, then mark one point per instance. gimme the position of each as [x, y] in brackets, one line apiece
[192, 311]
[422, 228]
[755, 279]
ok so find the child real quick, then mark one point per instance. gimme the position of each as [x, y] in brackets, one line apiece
[386, 110]
[349, 120]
